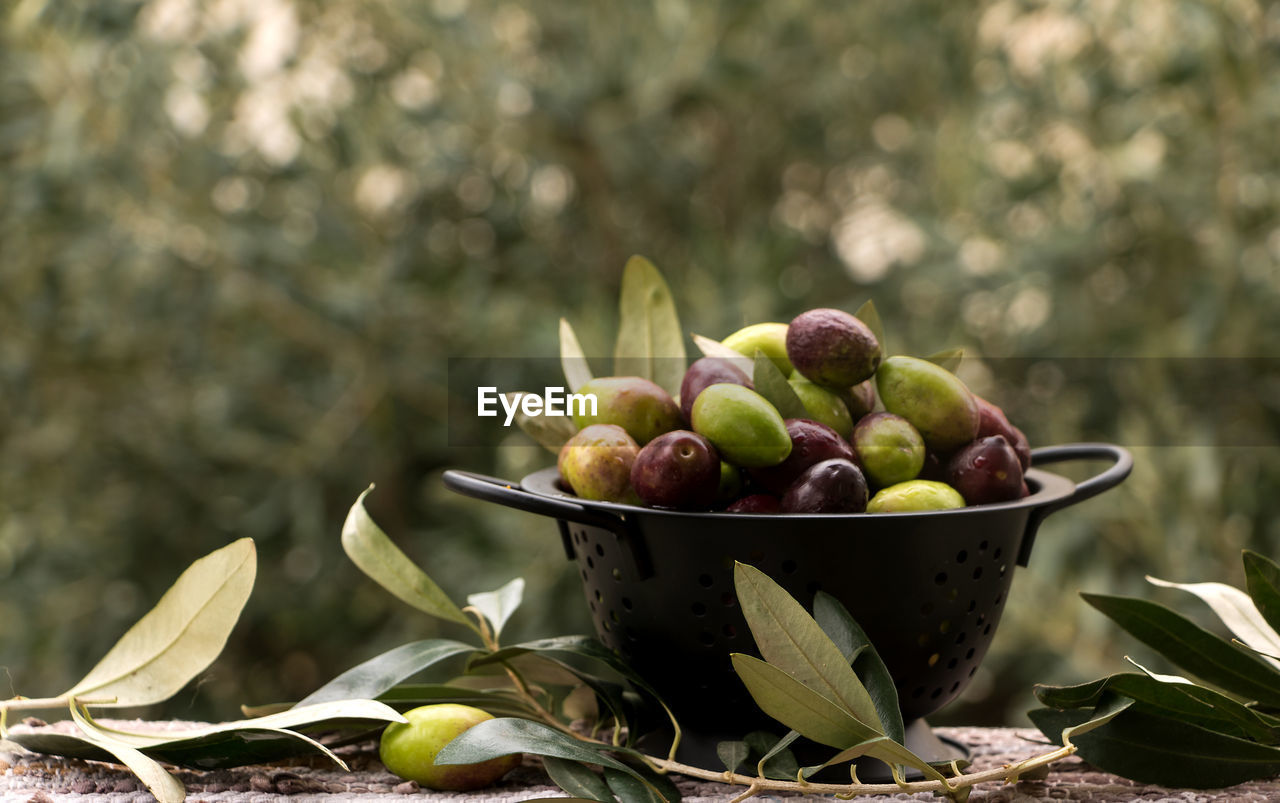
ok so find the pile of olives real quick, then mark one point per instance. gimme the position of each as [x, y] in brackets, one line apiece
[928, 444]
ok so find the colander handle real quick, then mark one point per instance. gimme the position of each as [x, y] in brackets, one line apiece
[503, 492]
[1121, 465]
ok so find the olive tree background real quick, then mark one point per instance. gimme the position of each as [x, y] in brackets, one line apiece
[241, 241]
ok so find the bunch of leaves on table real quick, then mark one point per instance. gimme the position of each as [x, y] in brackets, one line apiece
[157, 657]
[1167, 729]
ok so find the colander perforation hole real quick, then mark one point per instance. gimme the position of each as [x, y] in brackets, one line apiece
[968, 656]
[996, 555]
[599, 549]
[973, 606]
[707, 638]
[977, 573]
[952, 664]
[617, 575]
[926, 609]
[613, 616]
[705, 581]
[917, 692]
[698, 609]
[955, 687]
[983, 546]
[730, 631]
[940, 578]
[591, 563]
[936, 693]
[627, 604]
[960, 638]
[728, 600]
[962, 556]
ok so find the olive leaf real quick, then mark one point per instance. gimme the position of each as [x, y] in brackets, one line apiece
[840, 626]
[776, 761]
[774, 387]
[718, 350]
[504, 736]
[650, 341]
[789, 639]
[949, 359]
[868, 314]
[572, 359]
[229, 744]
[1237, 611]
[1262, 578]
[180, 636]
[499, 702]
[1185, 701]
[160, 783]
[382, 672]
[497, 606]
[550, 431]
[642, 786]
[798, 706]
[732, 754]
[1160, 750]
[373, 552]
[1203, 654]
[577, 779]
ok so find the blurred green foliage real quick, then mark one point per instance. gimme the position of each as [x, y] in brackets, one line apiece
[240, 241]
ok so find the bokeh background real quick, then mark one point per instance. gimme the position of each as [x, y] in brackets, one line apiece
[240, 241]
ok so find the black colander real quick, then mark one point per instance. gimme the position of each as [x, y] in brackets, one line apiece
[928, 588]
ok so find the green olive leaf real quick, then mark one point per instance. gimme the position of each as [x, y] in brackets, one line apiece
[770, 383]
[644, 786]
[578, 780]
[504, 736]
[949, 359]
[732, 754]
[497, 606]
[1262, 578]
[1185, 701]
[718, 350]
[791, 640]
[868, 314]
[572, 359]
[160, 783]
[1237, 611]
[373, 552]
[180, 636]
[799, 707]
[550, 431]
[499, 702]
[382, 672]
[840, 626]
[1203, 654]
[1160, 750]
[650, 341]
[776, 761]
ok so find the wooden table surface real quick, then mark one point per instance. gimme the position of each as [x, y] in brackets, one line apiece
[33, 778]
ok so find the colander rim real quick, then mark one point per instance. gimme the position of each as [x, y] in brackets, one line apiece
[1047, 488]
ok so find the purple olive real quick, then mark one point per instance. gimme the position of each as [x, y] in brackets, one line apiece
[986, 471]
[678, 469]
[811, 442]
[755, 503]
[832, 486]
